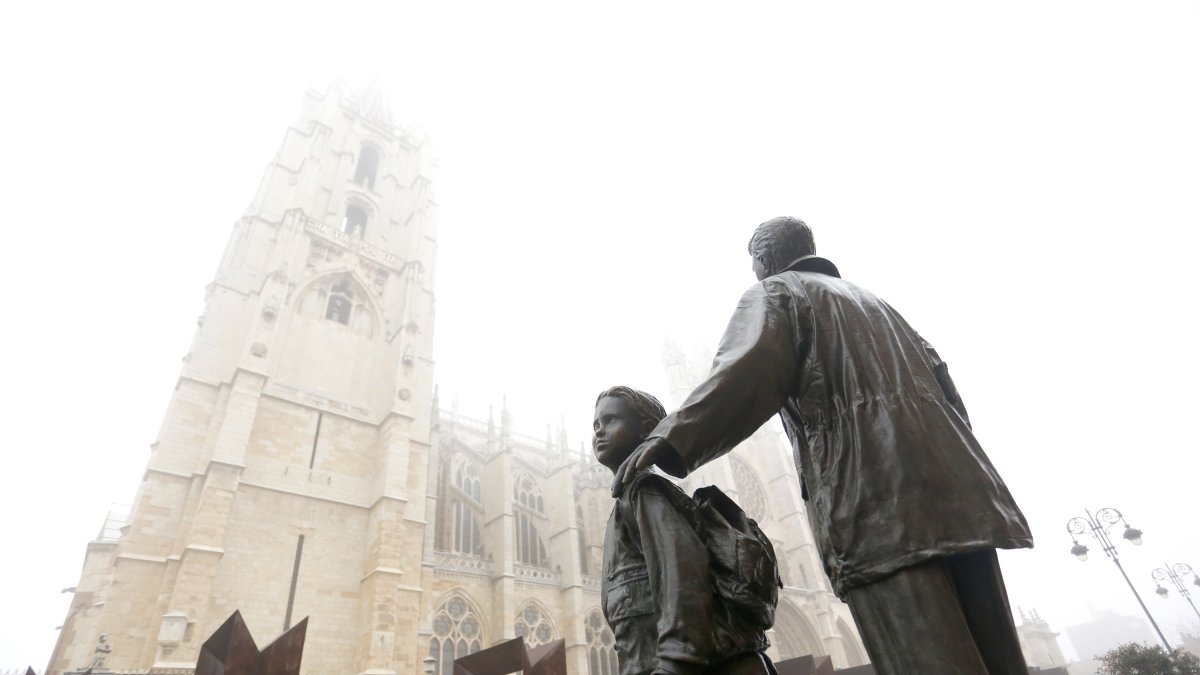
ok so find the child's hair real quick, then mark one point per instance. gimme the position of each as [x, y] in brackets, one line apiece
[644, 405]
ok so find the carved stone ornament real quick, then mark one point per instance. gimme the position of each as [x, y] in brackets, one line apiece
[258, 349]
[320, 252]
[103, 648]
[377, 275]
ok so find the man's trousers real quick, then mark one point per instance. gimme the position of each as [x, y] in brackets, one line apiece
[948, 616]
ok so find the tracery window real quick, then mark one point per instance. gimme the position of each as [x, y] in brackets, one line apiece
[457, 632]
[466, 508]
[530, 549]
[527, 494]
[341, 301]
[750, 491]
[602, 656]
[368, 166]
[533, 625]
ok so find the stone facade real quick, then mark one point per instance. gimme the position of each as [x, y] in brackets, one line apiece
[303, 467]
[289, 475]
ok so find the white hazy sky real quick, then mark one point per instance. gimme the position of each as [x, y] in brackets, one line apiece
[1020, 179]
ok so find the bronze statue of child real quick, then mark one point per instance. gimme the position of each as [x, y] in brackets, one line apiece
[658, 590]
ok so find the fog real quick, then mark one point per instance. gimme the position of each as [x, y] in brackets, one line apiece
[1020, 181]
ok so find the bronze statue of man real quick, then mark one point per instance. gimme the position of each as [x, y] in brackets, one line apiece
[906, 508]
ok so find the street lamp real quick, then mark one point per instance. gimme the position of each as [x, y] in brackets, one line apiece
[1099, 525]
[1173, 572]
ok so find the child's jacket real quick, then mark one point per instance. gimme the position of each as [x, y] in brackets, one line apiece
[657, 591]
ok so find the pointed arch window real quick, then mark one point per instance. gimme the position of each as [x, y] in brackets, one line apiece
[533, 625]
[457, 632]
[368, 166]
[602, 655]
[338, 298]
[530, 549]
[466, 508]
[528, 494]
[340, 302]
[467, 481]
[355, 221]
[530, 512]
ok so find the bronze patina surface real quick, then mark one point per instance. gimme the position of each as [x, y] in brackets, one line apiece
[906, 507]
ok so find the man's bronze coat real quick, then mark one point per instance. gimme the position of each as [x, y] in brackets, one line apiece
[883, 445]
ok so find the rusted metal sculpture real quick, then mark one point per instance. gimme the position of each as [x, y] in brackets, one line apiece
[511, 656]
[231, 651]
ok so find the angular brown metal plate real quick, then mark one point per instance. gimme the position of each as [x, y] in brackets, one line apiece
[231, 651]
[513, 656]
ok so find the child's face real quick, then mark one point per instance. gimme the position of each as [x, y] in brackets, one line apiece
[616, 431]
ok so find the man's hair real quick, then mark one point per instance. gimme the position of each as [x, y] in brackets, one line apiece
[645, 406]
[779, 241]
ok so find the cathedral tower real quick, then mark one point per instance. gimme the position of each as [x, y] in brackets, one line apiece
[289, 476]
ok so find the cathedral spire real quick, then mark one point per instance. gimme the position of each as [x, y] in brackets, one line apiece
[371, 103]
[505, 419]
[491, 429]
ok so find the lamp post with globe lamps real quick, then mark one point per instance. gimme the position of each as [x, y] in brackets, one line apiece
[1173, 572]
[1098, 525]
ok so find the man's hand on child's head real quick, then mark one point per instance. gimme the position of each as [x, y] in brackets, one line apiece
[644, 455]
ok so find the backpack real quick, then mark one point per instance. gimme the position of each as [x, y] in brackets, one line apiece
[741, 557]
